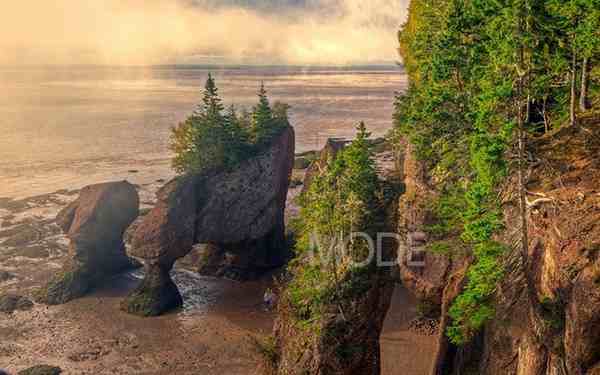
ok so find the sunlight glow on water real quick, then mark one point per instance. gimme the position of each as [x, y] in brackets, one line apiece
[67, 127]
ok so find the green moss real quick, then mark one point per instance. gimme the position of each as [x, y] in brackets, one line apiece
[64, 287]
[154, 296]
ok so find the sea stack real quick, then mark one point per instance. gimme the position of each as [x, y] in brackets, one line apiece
[95, 224]
[239, 212]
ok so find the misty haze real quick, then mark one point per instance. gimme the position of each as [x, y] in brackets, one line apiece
[300, 187]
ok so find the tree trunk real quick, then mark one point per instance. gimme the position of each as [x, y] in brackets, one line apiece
[522, 190]
[545, 115]
[585, 81]
[573, 106]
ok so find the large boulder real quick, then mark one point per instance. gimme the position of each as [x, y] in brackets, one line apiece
[95, 224]
[238, 211]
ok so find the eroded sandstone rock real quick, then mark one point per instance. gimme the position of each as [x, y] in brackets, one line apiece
[547, 309]
[95, 224]
[239, 211]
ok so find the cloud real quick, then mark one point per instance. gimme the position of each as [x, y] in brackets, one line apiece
[194, 31]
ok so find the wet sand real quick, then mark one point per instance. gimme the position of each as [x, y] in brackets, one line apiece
[210, 335]
[404, 351]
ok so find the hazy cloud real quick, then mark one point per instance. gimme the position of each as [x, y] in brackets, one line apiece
[199, 31]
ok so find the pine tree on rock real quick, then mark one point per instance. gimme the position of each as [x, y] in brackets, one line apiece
[262, 117]
[212, 138]
[211, 102]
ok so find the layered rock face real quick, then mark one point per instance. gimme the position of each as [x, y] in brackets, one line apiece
[346, 342]
[547, 315]
[95, 224]
[239, 213]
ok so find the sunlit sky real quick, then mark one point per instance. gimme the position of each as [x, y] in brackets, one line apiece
[144, 32]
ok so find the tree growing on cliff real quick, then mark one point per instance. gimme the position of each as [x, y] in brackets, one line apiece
[338, 202]
[267, 121]
[213, 137]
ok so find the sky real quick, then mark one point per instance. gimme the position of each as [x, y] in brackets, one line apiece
[148, 32]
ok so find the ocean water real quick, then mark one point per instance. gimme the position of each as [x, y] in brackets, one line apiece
[66, 127]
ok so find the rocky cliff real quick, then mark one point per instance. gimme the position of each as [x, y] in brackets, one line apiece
[344, 337]
[239, 212]
[553, 328]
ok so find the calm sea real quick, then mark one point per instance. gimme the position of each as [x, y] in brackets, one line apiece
[70, 126]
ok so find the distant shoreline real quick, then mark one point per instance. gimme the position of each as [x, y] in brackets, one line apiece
[353, 67]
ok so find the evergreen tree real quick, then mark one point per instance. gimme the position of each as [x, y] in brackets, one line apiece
[214, 138]
[212, 106]
[280, 112]
[262, 117]
[484, 76]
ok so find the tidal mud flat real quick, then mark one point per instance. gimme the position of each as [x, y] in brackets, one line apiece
[91, 335]
[212, 334]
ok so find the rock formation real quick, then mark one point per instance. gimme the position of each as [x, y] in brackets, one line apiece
[237, 211]
[345, 343]
[331, 148]
[13, 302]
[552, 329]
[95, 224]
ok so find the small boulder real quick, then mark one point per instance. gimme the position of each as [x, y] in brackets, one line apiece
[5, 276]
[41, 370]
[13, 302]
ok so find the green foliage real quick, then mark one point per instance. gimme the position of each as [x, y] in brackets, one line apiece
[338, 201]
[471, 309]
[214, 138]
[267, 122]
[472, 64]
[448, 212]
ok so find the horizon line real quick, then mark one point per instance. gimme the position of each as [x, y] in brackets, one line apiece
[212, 65]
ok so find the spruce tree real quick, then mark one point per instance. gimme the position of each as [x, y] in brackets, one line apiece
[262, 117]
[213, 138]
[211, 102]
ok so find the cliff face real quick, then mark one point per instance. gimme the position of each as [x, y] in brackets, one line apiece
[556, 330]
[239, 212]
[558, 333]
[346, 341]
[345, 337]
